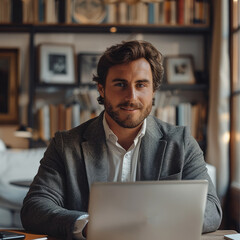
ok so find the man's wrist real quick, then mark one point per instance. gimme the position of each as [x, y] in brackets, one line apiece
[80, 229]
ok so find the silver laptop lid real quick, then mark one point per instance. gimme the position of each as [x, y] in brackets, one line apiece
[156, 210]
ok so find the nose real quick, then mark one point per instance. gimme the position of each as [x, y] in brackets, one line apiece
[131, 93]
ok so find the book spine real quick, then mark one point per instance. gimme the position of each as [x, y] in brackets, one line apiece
[41, 10]
[16, 11]
[167, 12]
[173, 12]
[151, 17]
[68, 11]
[180, 12]
[61, 11]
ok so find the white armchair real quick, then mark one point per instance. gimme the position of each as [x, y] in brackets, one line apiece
[15, 165]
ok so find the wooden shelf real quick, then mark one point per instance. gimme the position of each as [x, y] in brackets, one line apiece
[105, 28]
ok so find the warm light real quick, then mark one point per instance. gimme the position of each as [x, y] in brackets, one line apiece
[113, 29]
[237, 137]
[226, 137]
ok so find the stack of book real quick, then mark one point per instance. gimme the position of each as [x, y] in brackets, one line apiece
[185, 114]
[57, 117]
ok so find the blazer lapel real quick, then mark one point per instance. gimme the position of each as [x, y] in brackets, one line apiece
[95, 152]
[152, 151]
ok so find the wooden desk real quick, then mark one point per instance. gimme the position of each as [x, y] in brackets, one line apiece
[218, 235]
[30, 236]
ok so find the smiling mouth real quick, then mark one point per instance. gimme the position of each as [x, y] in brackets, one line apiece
[129, 108]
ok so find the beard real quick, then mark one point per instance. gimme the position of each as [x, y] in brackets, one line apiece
[127, 120]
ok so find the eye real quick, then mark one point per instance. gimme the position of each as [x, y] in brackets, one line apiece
[140, 85]
[120, 84]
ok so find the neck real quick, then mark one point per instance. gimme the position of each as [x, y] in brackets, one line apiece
[125, 136]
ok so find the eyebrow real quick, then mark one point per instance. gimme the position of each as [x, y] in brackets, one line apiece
[124, 80]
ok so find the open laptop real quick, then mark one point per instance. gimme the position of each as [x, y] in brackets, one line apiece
[151, 210]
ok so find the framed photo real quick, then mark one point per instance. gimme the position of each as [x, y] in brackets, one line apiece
[57, 64]
[9, 81]
[87, 67]
[179, 69]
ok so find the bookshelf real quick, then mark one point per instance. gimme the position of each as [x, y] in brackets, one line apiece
[161, 12]
[196, 93]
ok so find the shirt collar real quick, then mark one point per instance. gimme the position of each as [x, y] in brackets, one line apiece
[110, 134]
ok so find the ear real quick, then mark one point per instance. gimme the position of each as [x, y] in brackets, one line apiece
[101, 90]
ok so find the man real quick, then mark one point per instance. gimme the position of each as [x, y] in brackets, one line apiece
[123, 144]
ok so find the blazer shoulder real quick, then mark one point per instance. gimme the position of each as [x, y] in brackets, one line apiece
[167, 129]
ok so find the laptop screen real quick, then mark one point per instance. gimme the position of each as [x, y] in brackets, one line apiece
[167, 210]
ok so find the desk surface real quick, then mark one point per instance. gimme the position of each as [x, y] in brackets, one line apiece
[218, 235]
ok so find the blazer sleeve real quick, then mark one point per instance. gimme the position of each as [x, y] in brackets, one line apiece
[195, 168]
[44, 209]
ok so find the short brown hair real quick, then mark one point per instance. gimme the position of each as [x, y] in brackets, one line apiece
[126, 52]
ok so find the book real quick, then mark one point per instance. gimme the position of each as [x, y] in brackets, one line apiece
[156, 12]
[53, 119]
[132, 14]
[16, 11]
[68, 117]
[44, 123]
[35, 11]
[180, 12]
[61, 10]
[187, 12]
[142, 14]
[122, 12]
[75, 114]
[6, 11]
[112, 13]
[61, 117]
[41, 11]
[28, 12]
[50, 11]
[197, 11]
[68, 11]
[173, 12]
[161, 19]
[167, 12]
[151, 12]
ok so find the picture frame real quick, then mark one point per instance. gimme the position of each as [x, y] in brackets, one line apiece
[57, 64]
[9, 85]
[180, 69]
[87, 67]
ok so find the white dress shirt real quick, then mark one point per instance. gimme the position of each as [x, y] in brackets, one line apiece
[122, 165]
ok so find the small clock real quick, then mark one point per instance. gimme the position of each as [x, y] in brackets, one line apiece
[89, 11]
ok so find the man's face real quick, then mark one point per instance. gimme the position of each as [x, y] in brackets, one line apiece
[128, 93]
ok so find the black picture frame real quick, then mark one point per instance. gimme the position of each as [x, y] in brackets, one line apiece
[57, 65]
[87, 67]
[9, 85]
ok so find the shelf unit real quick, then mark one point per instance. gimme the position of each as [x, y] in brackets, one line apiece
[33, 29]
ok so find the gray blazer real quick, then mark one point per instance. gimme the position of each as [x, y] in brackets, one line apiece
[76, 158]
